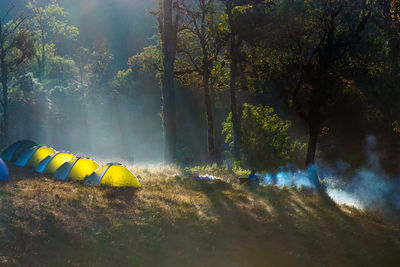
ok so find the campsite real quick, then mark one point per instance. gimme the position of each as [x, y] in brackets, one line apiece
[199, 133]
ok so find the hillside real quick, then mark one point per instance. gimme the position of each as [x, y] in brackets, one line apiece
[176, 220]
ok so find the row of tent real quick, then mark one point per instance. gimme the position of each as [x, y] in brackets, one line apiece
[64, 165]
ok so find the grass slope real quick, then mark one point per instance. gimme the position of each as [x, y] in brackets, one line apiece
[176, 220]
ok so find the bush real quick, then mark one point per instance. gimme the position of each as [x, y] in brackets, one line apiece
[265, 142]
[61, 71]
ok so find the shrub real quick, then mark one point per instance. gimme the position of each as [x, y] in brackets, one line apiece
[265, 142]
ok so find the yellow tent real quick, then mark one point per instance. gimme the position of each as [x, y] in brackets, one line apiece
[113, 174]
[33, 156]
[52, 162]
[77, 169]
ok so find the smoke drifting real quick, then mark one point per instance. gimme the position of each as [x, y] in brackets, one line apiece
[367, 188]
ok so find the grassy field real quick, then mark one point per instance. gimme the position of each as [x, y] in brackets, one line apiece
[176, 220]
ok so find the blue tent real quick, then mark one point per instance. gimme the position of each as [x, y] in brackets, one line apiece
[14, 151]
[3, 171]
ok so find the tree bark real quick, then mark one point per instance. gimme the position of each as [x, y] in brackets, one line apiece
[312, 142]
[4, 81]
[232, 85]
[168, 33]
[41, 59]
[209, 117]
[206, 73]
[169, 117]
[395, 49]
[5, 110]
[217, 151]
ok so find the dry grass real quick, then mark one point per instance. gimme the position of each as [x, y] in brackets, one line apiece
[176, 220]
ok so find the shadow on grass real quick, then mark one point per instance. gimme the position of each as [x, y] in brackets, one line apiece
[294, 227]
[56, 246]
[126, 194]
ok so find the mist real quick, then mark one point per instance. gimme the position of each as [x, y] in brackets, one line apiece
[90, 120]
[365, 188]
[99, 95]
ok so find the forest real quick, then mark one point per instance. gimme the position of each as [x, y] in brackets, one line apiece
[259, 84]
[282, 87]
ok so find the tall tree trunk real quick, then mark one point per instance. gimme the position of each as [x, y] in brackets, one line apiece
[208, 94]
[4, 81]
[168, 33]
[4, 78]
[169, 119]
[42, 60]
[395, 50]
[217, 151]
[314, 128]
[232, 85]
[314, 119]
[209, 117]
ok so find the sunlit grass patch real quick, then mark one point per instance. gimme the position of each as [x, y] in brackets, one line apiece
[215, 170]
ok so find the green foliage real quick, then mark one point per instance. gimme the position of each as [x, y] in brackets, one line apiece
[124, 82]
[265, 141]
[51, 20]
[149, 60]
[17, 44]
[25, 87]
[51, 27]
[200, 44]
[311, 55]
[62, 70]
[100, 71]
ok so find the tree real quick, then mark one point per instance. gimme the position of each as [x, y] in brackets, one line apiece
[62, 71]
[311, 49]
[162, 59]
[386, 18]
[16, 47]
[319, 78]
[195, 44]
[233, 56]
[100, 72]
[386, 15]
[168, 29]
[233, 45]
[199, 47]
[265, 140]
[49, 24]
